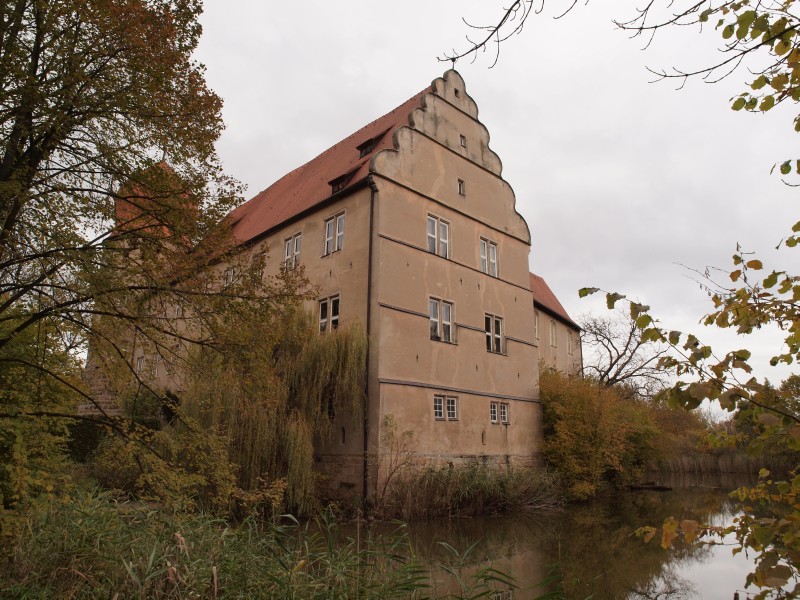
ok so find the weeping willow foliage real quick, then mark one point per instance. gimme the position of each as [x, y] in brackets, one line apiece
[271, 391]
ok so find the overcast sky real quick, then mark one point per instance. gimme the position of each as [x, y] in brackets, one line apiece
[620, 180]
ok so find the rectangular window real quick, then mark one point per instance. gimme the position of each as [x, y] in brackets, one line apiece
[536, 323]
[445, 406]
[140, 364]
[329, 314]
[156, 363]
[463, 141]
[291, 251]
[462, 188]
[229, 277]
[334, 234]
[493, 326]
[493, 412]
[438, 236]
[570, 343]
[438, 408]
[489, 257]
[504, 412]
[441, 320]
[553, 333]
[452, 408]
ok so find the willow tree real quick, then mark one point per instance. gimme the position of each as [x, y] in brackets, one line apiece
[270, 391]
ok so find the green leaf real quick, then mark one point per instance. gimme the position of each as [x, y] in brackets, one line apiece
[743, 354]
[583, 292]
[611, 299]
[759, 83]
[771, 280]
[652, 334]
[736, 274]
[738, 104]
[674, 337]
[767, 103]
[777, 576]
[727, 33]
[796, 227]
[786, 167]
[643, 321]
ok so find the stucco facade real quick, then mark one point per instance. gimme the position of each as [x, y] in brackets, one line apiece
[408, 227]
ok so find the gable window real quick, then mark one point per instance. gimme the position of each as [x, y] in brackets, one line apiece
[441, 320]
[438, 236]
[291, 251]
[334, 234]
[536, 323]
[493, 326]
[553, 338]
[329, 314]
[462, 187]
[489, 257]
[338, 184]
[463, 141]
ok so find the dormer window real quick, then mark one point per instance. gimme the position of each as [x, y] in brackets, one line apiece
[338, 184]
[368, 146]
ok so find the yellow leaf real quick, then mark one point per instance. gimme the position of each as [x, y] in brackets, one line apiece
[669, 531]
[689, 529]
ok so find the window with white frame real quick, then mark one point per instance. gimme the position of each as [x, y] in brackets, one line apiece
[438, 236]
[452, 408]
[140, 364]
[229, 277]
[156, 363]
[291, 251]
[493, 326]
[553, 334]
[498, 412]
[438, 408]
[334, 234]
[504, 412]
[445, 408]
[489, 257]
[536, 323]
[441, 320]
[329, 314]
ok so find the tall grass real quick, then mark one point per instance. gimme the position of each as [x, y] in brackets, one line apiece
[439, 491]
[92, 547]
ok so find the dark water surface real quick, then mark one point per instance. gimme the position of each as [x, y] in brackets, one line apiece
[591, 548]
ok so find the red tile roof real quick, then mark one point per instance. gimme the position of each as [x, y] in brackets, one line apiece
[544, 297]
[309, 185]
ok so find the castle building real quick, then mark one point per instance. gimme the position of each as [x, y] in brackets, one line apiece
[408, 226]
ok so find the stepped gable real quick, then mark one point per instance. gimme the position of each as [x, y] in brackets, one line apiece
[309, 185]
[544, 297]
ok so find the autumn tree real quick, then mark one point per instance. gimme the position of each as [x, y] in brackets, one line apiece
[111, 194]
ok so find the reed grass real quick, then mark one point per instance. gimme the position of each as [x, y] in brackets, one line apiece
[442, 491]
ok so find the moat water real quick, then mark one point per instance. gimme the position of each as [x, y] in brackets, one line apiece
[591, 550]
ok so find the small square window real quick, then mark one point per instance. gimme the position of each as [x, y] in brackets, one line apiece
[457, 92]
[463, 141]
[462, 187]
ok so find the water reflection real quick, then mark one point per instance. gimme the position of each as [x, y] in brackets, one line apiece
[590, 548]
